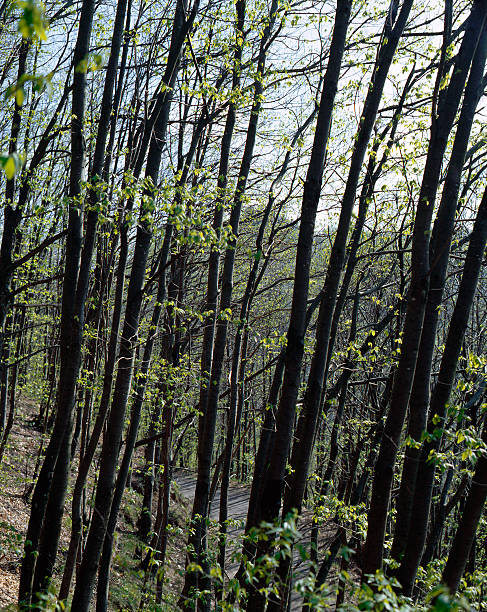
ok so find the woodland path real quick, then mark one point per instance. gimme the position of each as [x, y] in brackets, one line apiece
[238, 495]
[238, 501]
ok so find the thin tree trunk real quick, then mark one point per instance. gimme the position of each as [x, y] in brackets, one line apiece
[12, 216]
[307, 422]
[214, 258]
[441, 515]
[467, 527]
[208, 421]
[142, 378]
[52, 522]
[241, 336]
[111, 444]
[13, 384]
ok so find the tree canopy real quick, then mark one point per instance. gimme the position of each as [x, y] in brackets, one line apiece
[242, 305]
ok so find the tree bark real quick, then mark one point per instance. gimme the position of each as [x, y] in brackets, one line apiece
[441, 393]
[71, 318]
[467, 527]
[441, 128]
[442, 236]
[128, 340]
[208, 422]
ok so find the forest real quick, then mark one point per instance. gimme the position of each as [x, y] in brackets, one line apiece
[243, 305]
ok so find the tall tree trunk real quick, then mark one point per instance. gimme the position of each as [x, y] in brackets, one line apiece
[51, 528]
[439, 399]
[12, 215]
[241, 336]
[464, 540]
[308, 418]
[441, 127]
[71, 318]
[90, 449]
[439, 256]
[142, 378]
[442, 513]
[208, 421]
[104, 574]
[211, 304]
[20, 320]
[128, 341]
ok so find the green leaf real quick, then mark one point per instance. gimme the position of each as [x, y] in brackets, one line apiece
[11, 164]
[19, 96]
[32, 23]
[9, 167]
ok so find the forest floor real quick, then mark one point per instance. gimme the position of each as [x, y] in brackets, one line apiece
[16, 475]
[127, 583]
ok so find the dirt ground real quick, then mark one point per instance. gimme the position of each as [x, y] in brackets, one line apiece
[16, 475]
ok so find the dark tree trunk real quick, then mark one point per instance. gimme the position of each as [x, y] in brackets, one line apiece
[128, 341]
[464, 539]
[439, 256]
[208, 420]
[441, 515]
[211, 305]
[271, 498]
[89, 451]
[71, 318]
[12, 216]
[440, 131]
[439, 399]
[111, 444]
[308, 418]
[241, 336]
[104, 573]
[52, 522]
[142, 378]
[20, 320]
[144, 523]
